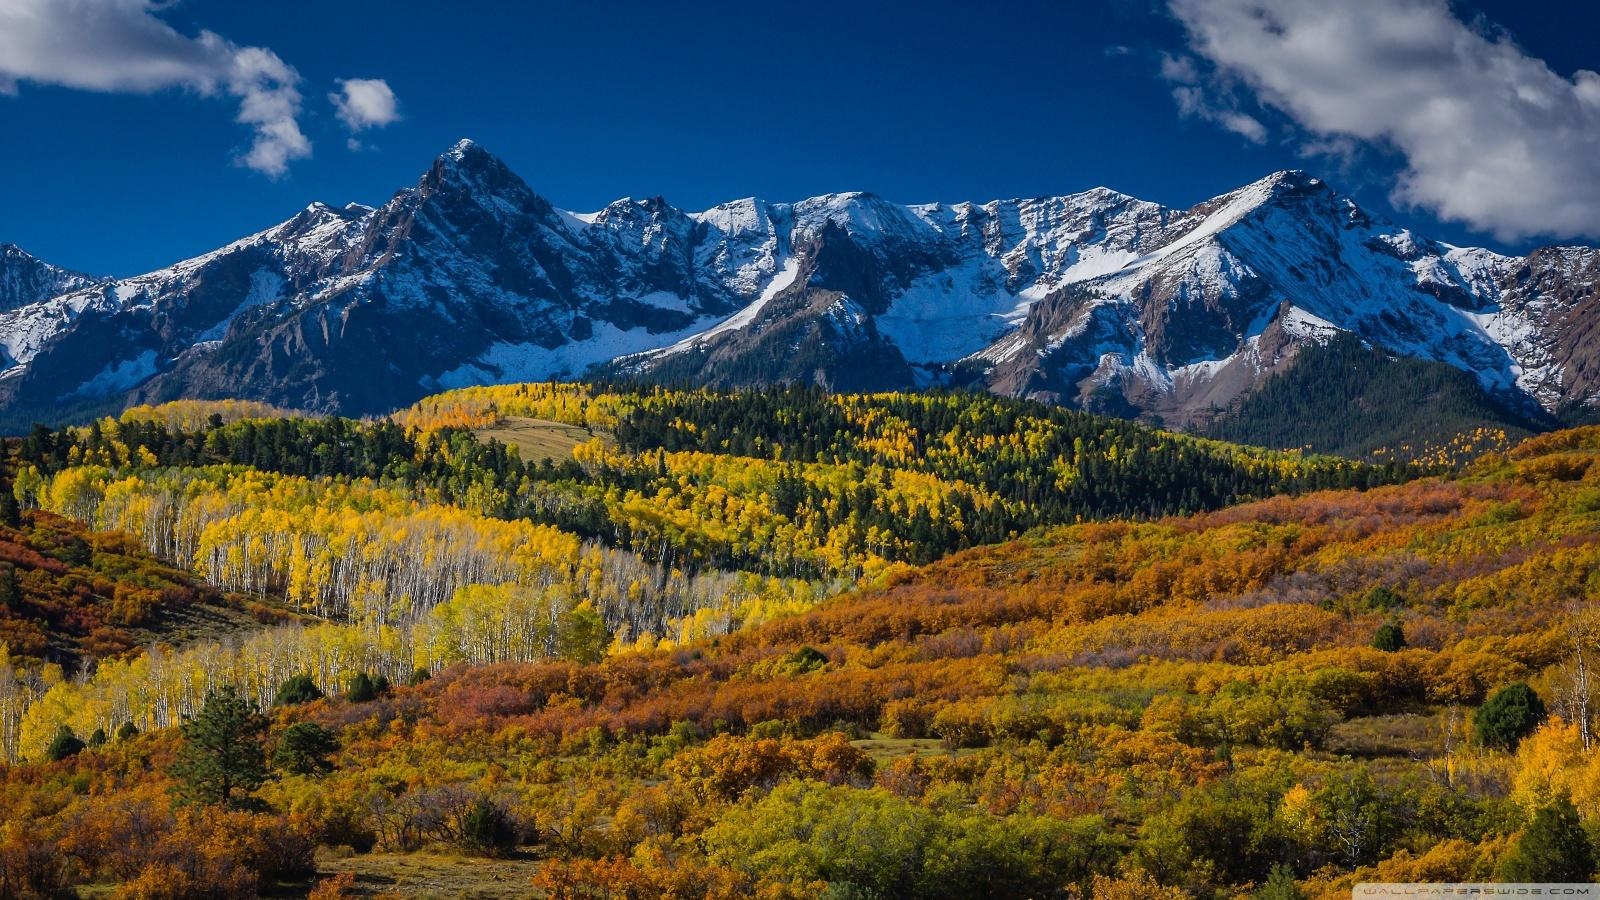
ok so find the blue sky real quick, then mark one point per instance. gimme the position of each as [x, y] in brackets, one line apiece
[117, 165]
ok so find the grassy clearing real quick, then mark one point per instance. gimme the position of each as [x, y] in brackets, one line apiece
[537, 439]
[422, 876]
[882, 747]
[1400, 735]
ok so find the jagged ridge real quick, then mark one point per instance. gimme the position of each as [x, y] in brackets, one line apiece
[1094, 299]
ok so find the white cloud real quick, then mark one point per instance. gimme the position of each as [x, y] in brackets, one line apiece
[1214, 104]
[1491, 136]
[363, 103]
[121, 46]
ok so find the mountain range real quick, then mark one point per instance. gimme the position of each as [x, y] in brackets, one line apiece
[1096, 300]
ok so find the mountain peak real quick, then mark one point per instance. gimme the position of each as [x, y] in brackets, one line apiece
[468, 156]
[1293, 178]
[1103, 193]
[467, 168]
[1288, 183]
[462, 148]
[1280, 188]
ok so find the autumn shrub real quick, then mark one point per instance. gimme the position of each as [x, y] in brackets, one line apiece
[617, 878]
[221, 853]
[117, 839]
[651, 813]
[1219, 833]
[1285, 714]
[960, 725]
[1451, 859]
[334, 887]
[727, 766]
[30, 864]
[908, 718]
[870, 843]
[199, 878]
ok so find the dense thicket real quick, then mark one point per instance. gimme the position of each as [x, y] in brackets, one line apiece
[791, 481]
[67, 594]
[1056, 464]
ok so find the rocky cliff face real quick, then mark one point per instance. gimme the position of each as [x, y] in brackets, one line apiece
[1095, 299]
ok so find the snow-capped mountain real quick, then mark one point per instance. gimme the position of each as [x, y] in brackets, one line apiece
[25, 279]
[1095, 299]
[1246, 278]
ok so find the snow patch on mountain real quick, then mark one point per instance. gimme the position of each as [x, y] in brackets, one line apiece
[265, 288]
[119, 375]
[951, 314]
[744, 317]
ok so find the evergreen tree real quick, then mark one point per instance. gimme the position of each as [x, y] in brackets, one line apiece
[10, 511]
[1389, 637]
[488, 828]
[1509, 716]
[304, 749]
[1280, 885]
[127, 732]
[222, 761]
[10, 587]
[1554, 847]
[361, 689]
[63, 745]
[297, 689]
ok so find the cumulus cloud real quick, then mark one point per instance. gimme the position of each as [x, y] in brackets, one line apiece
[1491, 137]
[122, 46]
[363, 103]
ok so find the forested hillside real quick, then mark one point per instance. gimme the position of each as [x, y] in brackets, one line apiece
[788, 644]
[1353, 400]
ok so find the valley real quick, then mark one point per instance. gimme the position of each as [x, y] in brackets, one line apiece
[667, 660]
[828, 451]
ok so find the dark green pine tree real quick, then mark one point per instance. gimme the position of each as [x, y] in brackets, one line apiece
[10, 587]
[304, 748]
[297, 689]
[10, 511]
[222, 761]
[361, 689]
[1280, 885]
[1553, 848]
[1509, 716]
[1389, 638]
[65, 744]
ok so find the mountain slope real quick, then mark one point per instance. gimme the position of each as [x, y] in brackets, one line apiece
[25, 279]
[1096, 299]
[1348, 399]
[1191, 706]
[1254, 276]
